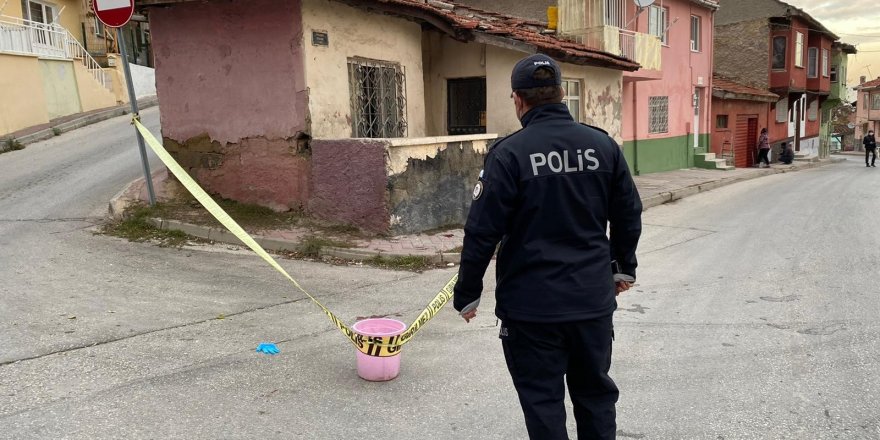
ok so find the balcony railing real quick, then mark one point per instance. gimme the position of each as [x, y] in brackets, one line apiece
[628, 44]
[46, 41]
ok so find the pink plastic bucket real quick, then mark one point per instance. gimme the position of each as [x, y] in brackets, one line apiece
[375, 368]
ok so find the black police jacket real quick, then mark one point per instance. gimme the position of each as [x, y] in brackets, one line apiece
[548, 193]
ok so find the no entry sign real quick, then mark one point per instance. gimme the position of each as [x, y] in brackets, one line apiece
[113, 13]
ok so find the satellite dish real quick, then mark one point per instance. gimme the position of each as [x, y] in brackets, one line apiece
[643, 3]
[850, 125]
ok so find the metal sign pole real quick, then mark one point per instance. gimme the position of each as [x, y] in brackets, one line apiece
[134, 110]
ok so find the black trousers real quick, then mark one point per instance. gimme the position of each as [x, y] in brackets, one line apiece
[873, 153]
[542, 357]
[763, 156]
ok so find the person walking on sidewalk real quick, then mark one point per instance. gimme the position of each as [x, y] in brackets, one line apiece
[548, 193]
[763, 149]
[870, 144]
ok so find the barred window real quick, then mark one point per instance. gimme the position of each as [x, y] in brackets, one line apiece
[378, 98]
[658, 112]
[813, 110]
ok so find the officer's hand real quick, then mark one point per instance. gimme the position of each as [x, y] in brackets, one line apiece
[623, 286]
[469, 315]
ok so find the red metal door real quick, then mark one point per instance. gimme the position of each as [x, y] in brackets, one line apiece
[745, 141]
[752, 139]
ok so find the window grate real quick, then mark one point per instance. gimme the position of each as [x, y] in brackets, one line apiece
[378, 98]
[658, 112]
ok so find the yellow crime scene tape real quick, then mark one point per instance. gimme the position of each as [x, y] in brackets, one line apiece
[381, 346]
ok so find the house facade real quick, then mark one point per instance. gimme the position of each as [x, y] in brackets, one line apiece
[738, 114]
[666, 103]
[44, 67]
[372, 113]
[867, 110]
[773, 46]
[837, 97]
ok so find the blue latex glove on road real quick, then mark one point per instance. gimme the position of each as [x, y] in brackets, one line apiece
[268, 348]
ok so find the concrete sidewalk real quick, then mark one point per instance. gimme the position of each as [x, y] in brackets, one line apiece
[443, 247]
[71, 122]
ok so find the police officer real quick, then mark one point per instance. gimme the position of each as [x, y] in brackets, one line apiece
[547, 193]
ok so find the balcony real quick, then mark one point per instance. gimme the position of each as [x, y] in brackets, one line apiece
[599, 25]
[25, 37]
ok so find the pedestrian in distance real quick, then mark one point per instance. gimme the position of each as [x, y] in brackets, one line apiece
[787, 154]
[870, 144]
[547, 194]
[763, 149]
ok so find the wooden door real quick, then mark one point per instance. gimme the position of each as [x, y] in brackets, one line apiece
[752, 134]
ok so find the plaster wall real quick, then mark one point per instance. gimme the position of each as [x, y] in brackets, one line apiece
[444, 59]
[683, 73]
[59, 84]
[93, 95]
[601, 98]
[403, 152]
[230, 69]
[349, 183]
[234, 100]
[21, 84]
[354, 32]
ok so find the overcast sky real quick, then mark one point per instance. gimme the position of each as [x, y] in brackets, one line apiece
[856, 22]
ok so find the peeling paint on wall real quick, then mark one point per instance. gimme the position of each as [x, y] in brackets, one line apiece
[436, 191]
[272, 173]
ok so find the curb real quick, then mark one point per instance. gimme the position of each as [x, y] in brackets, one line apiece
[677, 194]
[122, 200]
[278, 245]
[63, 127]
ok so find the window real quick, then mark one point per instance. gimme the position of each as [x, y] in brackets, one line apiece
[572, 98]
[834, 74]
[99, 27]
[658, 112]
[812, 62]
[875, 101]
[721, 121]
[658, 23]
[378, 98]
[799, 50]
[782, 110]
[813, 110]
[865, 102]
[39, 12]
[466, 106]
[825, 63]
[779, 47]
[695, 33]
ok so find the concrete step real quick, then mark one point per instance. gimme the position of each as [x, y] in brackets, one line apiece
[708, 157]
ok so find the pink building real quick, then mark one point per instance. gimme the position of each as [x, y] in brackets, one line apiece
[867, 110]
[666, 102]
[666, 110]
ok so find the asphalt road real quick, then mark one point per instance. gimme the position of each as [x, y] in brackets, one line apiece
[754, 318]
